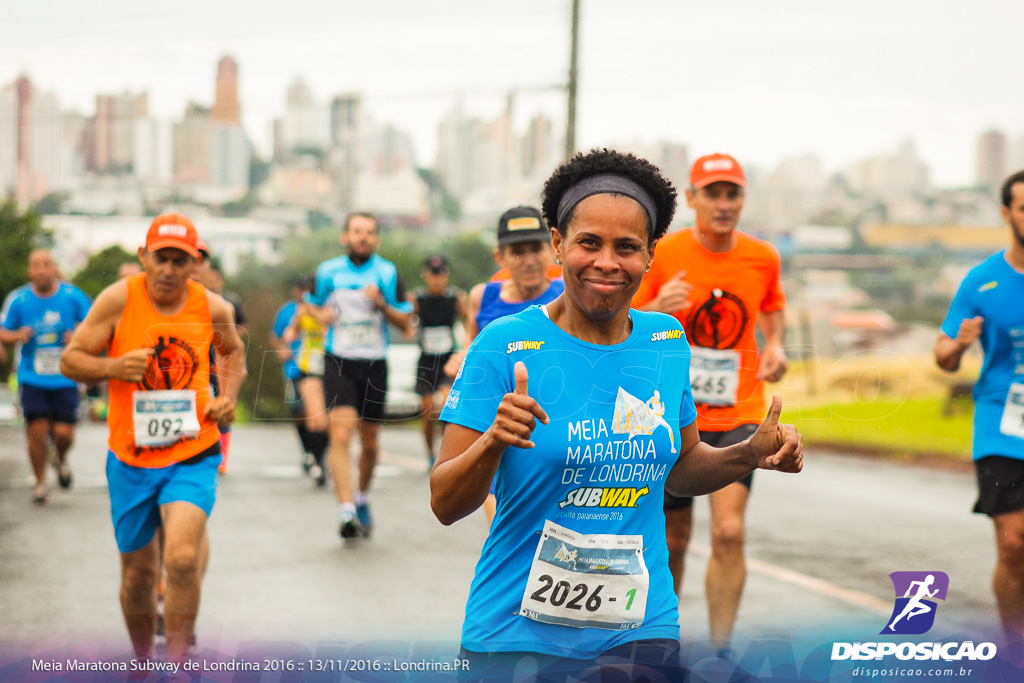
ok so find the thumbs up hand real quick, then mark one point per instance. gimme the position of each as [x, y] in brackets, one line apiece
[517, 414]
[777, 446]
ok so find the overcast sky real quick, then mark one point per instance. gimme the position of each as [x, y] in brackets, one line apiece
[761, 80]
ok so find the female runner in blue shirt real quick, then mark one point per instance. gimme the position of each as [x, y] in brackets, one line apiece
[574, 409]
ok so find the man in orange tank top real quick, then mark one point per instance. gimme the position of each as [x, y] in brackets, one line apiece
[720, 284]
[156, 329]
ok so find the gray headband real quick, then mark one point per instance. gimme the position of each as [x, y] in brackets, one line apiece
[606, 183]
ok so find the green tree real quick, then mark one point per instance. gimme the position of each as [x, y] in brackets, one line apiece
[52, 203]
[20, 233]
[100, 271]
[472, 259]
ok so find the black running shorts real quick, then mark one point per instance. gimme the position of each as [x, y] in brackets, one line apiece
[430, 373]
[356, 382]
[1000, 484]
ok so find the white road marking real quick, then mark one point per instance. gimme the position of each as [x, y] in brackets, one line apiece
[820, 586]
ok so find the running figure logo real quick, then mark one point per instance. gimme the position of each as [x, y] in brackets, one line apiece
[718, 323]
[633, 416]
[914, 612]
[566, 555]
[172, 365]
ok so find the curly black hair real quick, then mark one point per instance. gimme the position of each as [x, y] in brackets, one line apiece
[599, 161]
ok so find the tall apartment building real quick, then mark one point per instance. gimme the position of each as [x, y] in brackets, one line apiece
[226, 108]
[8, 140]
[191, 146]
[31, 142]
[306, 123]
[113, 137]
[993, 158]
[347, 127]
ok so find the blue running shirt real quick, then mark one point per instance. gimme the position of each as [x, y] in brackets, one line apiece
[281, 323]
[492, 307]
[993, 290]
[359, 329]
[598, 468]
[49, 317]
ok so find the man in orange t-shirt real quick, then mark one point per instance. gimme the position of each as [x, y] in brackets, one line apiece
[164, 448]
[721, 284]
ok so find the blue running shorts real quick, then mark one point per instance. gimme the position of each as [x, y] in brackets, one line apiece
[136, 494]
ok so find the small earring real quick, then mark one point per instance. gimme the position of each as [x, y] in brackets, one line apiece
[557, 262]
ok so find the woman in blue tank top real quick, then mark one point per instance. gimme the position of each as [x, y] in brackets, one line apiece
[573, 409]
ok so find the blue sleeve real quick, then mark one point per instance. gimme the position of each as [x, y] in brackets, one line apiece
[284, 316]
[12, 319]
[82, 305]
[324, 286]
[485, 377]
[687, 410]
[961, 308]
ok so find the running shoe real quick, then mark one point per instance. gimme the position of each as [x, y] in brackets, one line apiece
[64, 476]
[39, 495]
[308, 461]
[318, 475]
[365, 520]
[351, 528]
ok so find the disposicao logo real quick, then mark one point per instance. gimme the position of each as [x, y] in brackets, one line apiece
[913, 614]
[916, 593]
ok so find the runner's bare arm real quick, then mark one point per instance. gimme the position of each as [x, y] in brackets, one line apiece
[462, 307]
[414, 317]
[773, 356]
[399, 319]
[280, 345]
[18, 336]
[949, 351]
[702, 469]
[231, 351]
[324, 314]
[461, 479]
[672, 297]
[476, 295]
[471, 308]
[83, 359]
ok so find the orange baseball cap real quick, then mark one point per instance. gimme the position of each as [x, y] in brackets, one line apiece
[714, 168]
[172, 230]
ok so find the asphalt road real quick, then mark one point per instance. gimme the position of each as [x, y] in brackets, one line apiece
[821, 546]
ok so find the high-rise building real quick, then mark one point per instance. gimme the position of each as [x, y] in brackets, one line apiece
[47, 144]
[455, 152]
[115, 130]
[344, 159]
[192, 146]
[993, 158]
[152, 151]
[306, 124]
[8, 140]
[226, 109]
[541, 149]
[389, 183]
[892, 176]
[230, 155]
[30, 141]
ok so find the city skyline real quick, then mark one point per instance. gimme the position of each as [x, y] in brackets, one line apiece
[763, 83]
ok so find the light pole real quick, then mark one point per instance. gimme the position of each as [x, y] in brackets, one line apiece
[570, 124]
